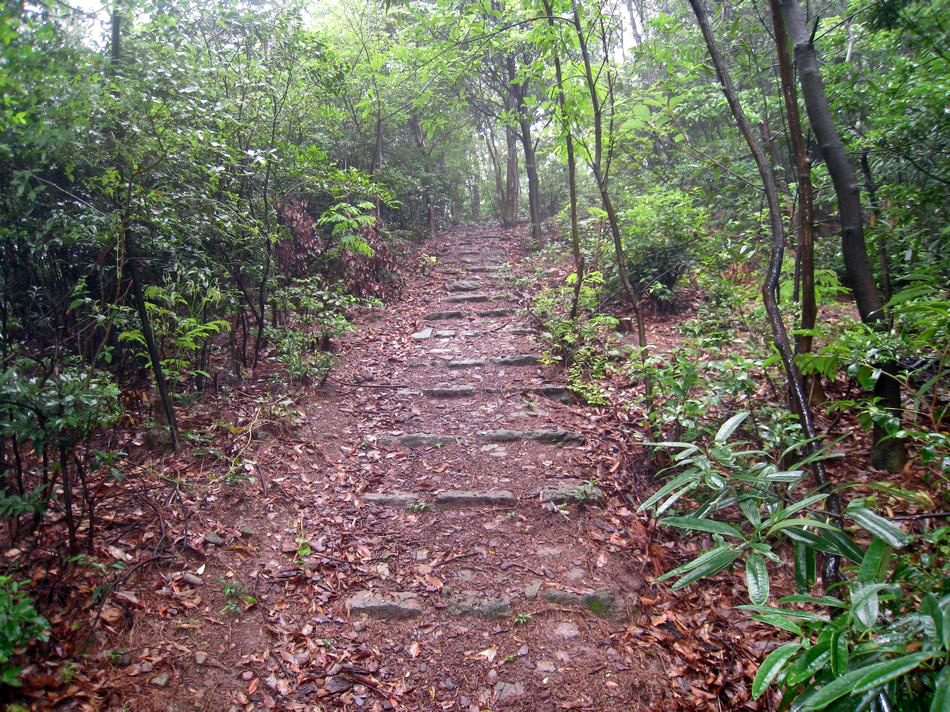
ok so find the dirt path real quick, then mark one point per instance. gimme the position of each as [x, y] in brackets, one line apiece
[432, 535]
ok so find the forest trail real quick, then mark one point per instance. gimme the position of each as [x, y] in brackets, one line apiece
[433, 540]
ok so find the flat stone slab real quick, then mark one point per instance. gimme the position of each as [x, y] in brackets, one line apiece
[473, 498]
[484, 268]
[517, 360]
[418, 440]
[450, 391]
[603, 602]
[494, 312]
[445, 333]
[469, 298]
[422, 335]
[521, 331]
[570, 491]
[473, 603]
[466, 363]
[465, 285]
[505, 691]
[558, 393]
[386, 606]
[554, 435]
[481, 260]
[440, 315]
[392, 499]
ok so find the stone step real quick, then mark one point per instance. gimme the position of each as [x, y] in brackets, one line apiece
[450, 391]
[558, 393]
[494, 312]
[413, 440]
[474, 267]
[458, 298]
[477, 604]
[421, 335]
[441, 315]
[573, 492]
[466, 285]
[459, 499]
[392, 499]
[517, 360]
[481, 261]
[522, 331]
[466, 364]
[386, 606]
[603, 602]
[553, 435]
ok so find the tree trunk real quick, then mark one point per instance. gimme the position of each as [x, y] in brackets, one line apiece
[885, 453]
[496, 170]
[517, 94]
[509, 216]
[831, 573]
[571, 170]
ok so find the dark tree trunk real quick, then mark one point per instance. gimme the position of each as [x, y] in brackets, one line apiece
[885, 453]
[517, 93]
[831, 573]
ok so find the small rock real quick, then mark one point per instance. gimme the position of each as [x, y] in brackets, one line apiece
[247, 675]
[602, 603]
[213, 538]
[492, 676]
[201, 658]
[447, 684]
[192, 579]
[445, 333]
[422, 335]
[338, 683]
[422, 554]
[563, 656]
[494, 312]
[566, 630]
[161, 680]
[465, 285]
[505, 691]
[531, 589]
[545, 666]
[246, 531]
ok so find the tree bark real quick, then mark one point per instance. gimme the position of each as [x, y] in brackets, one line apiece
[571, 170]
[831, 573]
[510, 214]
[888, 454]
[517, 93]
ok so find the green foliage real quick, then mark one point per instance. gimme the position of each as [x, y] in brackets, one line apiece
[582, 342]
[661, 231]
[20, 625]
[895, 601]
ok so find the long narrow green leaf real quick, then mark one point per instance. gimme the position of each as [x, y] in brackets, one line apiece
[711, 567]
[698, 561]
[882, 673]
[677, 481]
[875, 560]
[798, 506]
[703, 525]
[772, 666]
[788, 612]
[799, 522]
[729, 427]
[779, 622]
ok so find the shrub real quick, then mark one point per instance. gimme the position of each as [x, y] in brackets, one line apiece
[20, 625]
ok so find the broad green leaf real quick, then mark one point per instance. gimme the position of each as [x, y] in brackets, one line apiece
[757, 578]
[814, 659]
[931, 607]
[729, 427]
[804, 566]
[864, 602]
[829, 601]
[839, 653]
[788, 612]
[878, 526]
[673, 484]
[698, 561]
[703, 525]
[941, 700]
[875, 561]
[772, 666]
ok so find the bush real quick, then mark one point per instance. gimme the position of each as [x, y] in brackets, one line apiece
[20, 625]
[660, 234]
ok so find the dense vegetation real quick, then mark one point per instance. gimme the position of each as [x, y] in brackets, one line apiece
[198, 191]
